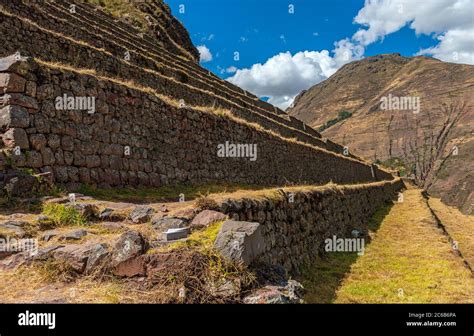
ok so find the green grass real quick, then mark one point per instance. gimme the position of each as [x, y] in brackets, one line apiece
[325, 275]
[162, 194]
[409, 260]
[61, 215]
[201, 240]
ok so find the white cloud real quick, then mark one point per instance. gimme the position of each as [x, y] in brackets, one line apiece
[231, 69]
[205, 54]
[285, 75]
[450, 20]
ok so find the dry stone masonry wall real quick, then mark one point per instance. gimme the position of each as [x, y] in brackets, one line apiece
[295, 225]
[157, 116]
[134, 138]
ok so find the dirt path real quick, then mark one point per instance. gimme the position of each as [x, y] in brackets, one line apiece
[410, 259]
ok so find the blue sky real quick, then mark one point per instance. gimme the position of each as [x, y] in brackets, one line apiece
[260, 30]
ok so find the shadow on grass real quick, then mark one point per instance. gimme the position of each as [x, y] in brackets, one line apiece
[325, 275]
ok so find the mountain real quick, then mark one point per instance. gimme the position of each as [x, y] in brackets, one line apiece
[365, 106]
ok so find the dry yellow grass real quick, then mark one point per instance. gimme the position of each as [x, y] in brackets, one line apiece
[143, 52]
[176, 103]
[458, 225]
[409, 261]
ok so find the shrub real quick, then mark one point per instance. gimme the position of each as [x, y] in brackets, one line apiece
[62, 215]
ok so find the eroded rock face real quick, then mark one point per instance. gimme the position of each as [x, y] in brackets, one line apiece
[240, 241]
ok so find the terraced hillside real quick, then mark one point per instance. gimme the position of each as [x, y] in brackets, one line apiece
[160, 117]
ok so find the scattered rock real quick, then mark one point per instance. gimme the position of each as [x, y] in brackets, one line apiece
[46, 252]
[74, 255]
[240, 241]
[163, 224]
[109, 214]
[15, 228]
[14, 261]
[130, 268]
[74, 235]
[227, 289]
[112, 226]
[97, 257]
[129, 245]
[87, 210]
[50, 234]
[141, 214]
[291, 293]
[206, 218]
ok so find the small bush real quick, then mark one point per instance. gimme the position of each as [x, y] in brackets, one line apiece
[62, 215]
[206, 203]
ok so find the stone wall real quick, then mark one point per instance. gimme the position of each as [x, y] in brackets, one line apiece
[167, 144]
[90, 39]
[295, 232]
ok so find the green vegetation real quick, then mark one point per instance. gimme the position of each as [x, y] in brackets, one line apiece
[394, 163]
[61, 215]
[341, 116]
[325, 275]
[408, 261]
[200, 240]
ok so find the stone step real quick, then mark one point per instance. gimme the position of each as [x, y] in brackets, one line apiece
[164, 57]
[106, 64]
[191, 66]
[256, 104]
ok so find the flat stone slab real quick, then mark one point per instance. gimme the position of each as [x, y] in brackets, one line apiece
[175, 234]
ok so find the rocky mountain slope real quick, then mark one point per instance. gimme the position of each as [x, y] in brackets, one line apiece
[432, 141]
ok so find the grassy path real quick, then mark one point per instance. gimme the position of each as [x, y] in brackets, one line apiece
[409, 260]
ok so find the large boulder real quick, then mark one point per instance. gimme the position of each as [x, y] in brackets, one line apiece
[75, 255]
[129, 245]
[141, 214]
[163, 224]
[206, 218]
[98, 254]
[240, 241]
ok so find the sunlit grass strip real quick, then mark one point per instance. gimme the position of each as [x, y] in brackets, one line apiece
[409, 261]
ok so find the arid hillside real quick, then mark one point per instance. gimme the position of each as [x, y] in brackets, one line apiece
[431, 138]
